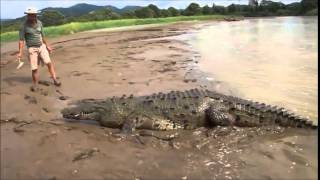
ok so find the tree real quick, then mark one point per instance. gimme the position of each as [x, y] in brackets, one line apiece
[51, 18]
[98, 15]
[307, 5]
[173, 11]
[218, 9]
[271, 6]
[144, 12]
[192, 9]
[155, 9]
[206, 10]
[231, 8]
[103, 14]
[129, 14]
[165, 13]
[294, 8]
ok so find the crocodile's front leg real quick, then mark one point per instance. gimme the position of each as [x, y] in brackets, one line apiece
[143, 121]
[218, 115]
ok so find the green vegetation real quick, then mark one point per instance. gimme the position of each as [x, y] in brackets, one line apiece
[74, 27]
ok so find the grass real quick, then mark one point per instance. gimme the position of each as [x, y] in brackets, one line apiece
[74, 27]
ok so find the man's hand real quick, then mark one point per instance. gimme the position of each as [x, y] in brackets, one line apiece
[21, 44]
[19, 55]
[49, 49]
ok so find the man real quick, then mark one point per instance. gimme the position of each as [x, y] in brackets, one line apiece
[32, 33]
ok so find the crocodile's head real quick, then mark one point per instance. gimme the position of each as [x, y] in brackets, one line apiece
[104, 112]
[83, 111]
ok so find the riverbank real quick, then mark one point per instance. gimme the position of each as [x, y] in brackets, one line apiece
[36, 143]
[75, 27]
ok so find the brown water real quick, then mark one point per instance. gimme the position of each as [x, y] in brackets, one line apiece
[271, 60]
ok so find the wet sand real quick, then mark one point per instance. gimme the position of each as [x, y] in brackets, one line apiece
[36, 143]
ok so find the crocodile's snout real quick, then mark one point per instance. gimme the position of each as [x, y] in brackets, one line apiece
[70, 114]
[79, 113]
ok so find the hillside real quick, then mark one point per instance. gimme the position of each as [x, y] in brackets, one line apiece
[83, 8]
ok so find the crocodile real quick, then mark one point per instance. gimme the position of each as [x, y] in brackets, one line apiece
[189, 109]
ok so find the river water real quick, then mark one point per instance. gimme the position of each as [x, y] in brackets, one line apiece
[271, 60]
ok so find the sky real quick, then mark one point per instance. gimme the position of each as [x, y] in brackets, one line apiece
[11, 9]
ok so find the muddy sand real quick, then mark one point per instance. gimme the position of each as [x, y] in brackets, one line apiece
[37, 143]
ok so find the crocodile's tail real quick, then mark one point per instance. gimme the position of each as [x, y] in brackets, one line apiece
[254, 113]
[249, 113]
[244, 112]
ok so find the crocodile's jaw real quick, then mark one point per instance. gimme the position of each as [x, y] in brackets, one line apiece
[80, 114]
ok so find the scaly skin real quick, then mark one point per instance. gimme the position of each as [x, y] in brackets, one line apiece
[182, 110]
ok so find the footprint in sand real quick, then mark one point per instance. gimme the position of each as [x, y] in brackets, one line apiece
[45, 83]
[77, 73]
[31, 99]
[63, 98]
[6, 93]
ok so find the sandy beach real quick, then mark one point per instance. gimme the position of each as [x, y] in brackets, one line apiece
[37, 143]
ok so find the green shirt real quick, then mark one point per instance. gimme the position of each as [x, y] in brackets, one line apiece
[32, 34]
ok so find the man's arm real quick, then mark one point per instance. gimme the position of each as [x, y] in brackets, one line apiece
[21, 44]
[21, 41]
[44, 40]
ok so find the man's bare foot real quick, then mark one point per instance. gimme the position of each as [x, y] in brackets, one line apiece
[56, 83]
[34, 88]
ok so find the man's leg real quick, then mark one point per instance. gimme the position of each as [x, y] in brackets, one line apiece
[44, 54]
[33, 59]
[53, 74]
[35, 77]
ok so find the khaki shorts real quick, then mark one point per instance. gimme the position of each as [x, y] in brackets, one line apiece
[35, 53]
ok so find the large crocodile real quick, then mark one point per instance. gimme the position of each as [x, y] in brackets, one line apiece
[188, 109]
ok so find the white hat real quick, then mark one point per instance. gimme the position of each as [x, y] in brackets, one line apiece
[31, 10]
